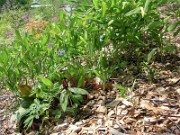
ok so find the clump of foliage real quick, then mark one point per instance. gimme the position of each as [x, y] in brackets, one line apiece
[12, 4]
[96, 38]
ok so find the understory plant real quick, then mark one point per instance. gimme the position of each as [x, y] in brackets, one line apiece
[97, 38]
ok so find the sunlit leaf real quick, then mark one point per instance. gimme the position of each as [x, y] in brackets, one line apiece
[95, 4]
[173, 26]
[150, 55]
[112, 3]
[64, 100]
[110, 22]
[121, 88]
[146, 7]
[46, 81]
[153, 25]
[18, 36]
[78, 91]
[104, 8]
[142, 11]
[82, 39]
[3, 57]
[80, 81]
[134, 11]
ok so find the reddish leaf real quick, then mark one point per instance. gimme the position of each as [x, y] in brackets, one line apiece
[65, 84]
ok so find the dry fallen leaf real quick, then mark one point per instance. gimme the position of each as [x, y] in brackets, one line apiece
[146, 105]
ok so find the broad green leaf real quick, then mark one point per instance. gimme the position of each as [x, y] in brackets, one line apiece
[150, 55]
[95, 2]
[173, 26]
[64, 100]
[78, 91]
[46, 81]
[134, 11]
[146, 7]
[4, 57]
[104, 8]
[77, 98]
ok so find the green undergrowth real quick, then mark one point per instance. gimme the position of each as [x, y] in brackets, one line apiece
[49, 68]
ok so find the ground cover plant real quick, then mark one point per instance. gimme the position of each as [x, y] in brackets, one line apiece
[51, 66]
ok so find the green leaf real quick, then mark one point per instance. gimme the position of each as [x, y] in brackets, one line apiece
[161, 2]
[46, 81]
[2, 70]
[80, 82]
[104, 8]
[86, 35]
[121, 88]
[82, 39]
[4, 57]
[150, 55]
[77, 99]
[20, 113]
[64, 100]
[57, 113]
[112, 3]
[154, 24]
[18, 36]
[176, 32]
[61, 17]
[110, 22]
[95, 2]
[173, 26]
[170, 49]
[142, 12]
[78, 91]
[29, 121]
[134, 11]
[146, 7]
